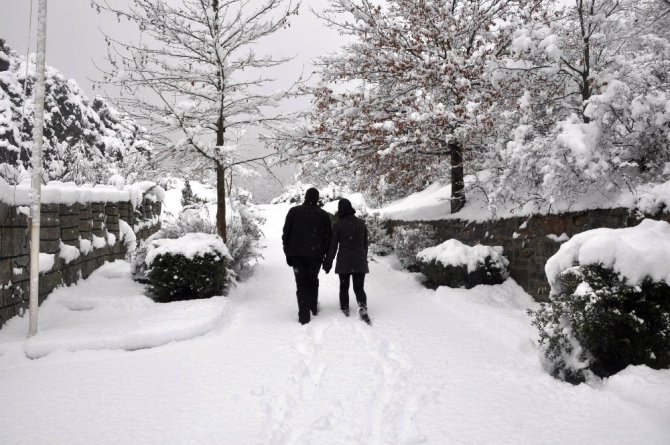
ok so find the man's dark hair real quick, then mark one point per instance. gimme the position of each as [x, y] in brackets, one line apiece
[312, 196]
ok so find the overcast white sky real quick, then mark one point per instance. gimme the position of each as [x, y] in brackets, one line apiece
[75, 42]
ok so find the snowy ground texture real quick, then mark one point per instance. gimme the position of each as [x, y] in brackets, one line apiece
[437, 367]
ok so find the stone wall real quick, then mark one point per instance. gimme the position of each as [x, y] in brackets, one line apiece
[526, 240]
[69, 224]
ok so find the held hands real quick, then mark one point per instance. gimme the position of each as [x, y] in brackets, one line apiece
[327, 267]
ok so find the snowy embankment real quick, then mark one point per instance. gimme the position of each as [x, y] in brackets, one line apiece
[438, 367]
[434, 203]
[110, 311]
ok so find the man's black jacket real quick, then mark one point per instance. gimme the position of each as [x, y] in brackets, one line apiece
[307, 232]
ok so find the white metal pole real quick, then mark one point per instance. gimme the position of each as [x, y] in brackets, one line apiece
[36, 198]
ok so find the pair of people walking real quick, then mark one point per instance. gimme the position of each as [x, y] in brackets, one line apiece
[311, 243]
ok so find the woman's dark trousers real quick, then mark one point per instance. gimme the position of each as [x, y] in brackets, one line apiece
[359, 281]
[306, 271]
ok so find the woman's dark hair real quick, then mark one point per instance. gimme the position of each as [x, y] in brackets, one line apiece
[344, 208]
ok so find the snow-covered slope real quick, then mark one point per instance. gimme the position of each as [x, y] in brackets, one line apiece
[437, 367]
[84, 140]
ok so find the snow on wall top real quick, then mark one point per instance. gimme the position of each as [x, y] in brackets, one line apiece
[189, 245]
[56, 192]
[633, 253]
[454, 253]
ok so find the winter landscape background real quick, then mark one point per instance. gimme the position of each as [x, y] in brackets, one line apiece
[510, 158]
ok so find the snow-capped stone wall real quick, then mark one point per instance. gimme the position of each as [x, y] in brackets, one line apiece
[529, 241]
[75, 239]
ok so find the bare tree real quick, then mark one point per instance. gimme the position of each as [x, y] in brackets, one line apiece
[184, 76]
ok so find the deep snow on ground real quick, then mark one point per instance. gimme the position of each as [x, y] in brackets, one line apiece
[437, 367]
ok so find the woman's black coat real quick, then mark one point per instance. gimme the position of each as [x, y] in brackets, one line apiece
[351, 236]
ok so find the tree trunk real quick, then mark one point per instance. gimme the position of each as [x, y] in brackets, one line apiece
[221, 201]
[220, 186]
[457, 180]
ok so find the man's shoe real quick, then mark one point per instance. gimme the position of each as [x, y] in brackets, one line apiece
[315, 310]
[345, 312]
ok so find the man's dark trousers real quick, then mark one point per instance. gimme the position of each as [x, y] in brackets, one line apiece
[306, 272]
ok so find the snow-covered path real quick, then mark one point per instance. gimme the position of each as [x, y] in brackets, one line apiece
[437, 367]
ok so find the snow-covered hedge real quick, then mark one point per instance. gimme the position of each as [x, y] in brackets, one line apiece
[192, 266]
[455, 264]
[634, 253]
[408, 241]
[610, 302]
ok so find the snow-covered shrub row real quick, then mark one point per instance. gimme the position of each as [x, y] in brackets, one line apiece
[84, 140]
[189, 267]
[295, 193]
[455, 264]
[610, 302]
[408, 241]
[197, 216]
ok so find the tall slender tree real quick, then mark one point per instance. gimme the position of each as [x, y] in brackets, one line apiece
[184, 76]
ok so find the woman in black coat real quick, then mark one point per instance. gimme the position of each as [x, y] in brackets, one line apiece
[350, 241]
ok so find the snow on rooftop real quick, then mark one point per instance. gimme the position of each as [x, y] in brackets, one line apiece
[633, 252]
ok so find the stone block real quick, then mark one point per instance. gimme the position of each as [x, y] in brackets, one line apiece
[6, 313]
[69, 221]
[13, 241]
[6, 274]
[69, 234]
[50, 246]
[70, 273]
[49, 281]
[11, 217]
[85, 225]
[50, 233]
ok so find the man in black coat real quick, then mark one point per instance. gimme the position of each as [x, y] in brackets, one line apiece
[306, 240]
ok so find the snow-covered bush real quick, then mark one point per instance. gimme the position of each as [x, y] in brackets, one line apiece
[455, 264]
[379, 240]
[188, 197]
[408, 241]
[194, 219]
[192, 266]
[610, 302]
[599, 325]
[244, 232]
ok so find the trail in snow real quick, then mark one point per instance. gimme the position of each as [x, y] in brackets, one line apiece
[437, 367]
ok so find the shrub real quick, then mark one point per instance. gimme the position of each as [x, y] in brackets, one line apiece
[188, 197]
[380, 242]
[599, 325]
[455, 264]
[244, 233]
[190, 267]
[408, 241]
